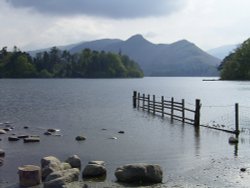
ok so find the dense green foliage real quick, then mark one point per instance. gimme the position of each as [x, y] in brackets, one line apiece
[62, 64]
[236, 66]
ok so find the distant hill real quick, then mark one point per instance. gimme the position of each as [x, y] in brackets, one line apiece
[181, 58]
[222, 51]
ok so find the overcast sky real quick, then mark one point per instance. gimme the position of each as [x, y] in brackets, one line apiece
[34, 24]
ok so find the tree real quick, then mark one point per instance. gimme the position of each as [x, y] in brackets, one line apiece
[236, 66]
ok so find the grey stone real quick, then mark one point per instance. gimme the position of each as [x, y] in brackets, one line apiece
[2, 153]
[94, 170]
[51, 130]
[80, 138]
[97, 162]
[46, 161]
[31, 139]
[146, 173]
[233, 140]
[23, 136]
[60, 179]
[50, 168]
[2, 131]
[13, 138]
[74, 161]
[65, 166]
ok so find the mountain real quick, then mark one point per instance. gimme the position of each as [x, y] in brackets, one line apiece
[181, 58]
[222, 51]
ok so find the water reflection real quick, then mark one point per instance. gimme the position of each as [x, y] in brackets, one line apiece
[197, 140]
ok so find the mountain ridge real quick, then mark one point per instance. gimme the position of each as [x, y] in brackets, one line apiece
[181, 58]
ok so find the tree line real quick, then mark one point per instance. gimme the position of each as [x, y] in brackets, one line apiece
[56, 63]
[236, 66]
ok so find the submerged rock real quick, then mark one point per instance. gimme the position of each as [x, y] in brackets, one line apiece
[233, 140]
[31, 139]
[139, 173]
[97, 162]
[2, 153]
[121, 132]
[2, 131]
[23, 136]
[13, 138]
[80, 138]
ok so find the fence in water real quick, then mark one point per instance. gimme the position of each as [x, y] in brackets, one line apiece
[177, 110]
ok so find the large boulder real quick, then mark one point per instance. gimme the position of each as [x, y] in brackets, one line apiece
[49, 165]
[50, 159]
[94, 171]
[60, 179]
[74, 161]
[144, 173]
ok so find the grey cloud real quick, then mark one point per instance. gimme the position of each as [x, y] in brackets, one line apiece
[108, 8]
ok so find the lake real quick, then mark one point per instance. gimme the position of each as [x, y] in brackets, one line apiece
[88, 106]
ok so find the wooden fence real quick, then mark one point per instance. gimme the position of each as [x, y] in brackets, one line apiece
[173, 109]
[176, 110]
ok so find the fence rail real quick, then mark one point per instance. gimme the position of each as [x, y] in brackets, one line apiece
[176, 110]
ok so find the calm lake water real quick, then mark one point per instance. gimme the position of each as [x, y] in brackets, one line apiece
[86, 106]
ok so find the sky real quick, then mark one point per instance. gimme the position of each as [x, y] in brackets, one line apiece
[36, 24]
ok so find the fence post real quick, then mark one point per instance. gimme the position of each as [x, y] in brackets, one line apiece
[138, 100]
[237, 118]
[154, 104]
[172, 109]
[148, 103]
[183, 111]
[143, 101]
[134, 99]
[162, 106]
[197, 113]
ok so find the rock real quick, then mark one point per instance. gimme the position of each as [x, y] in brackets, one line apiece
[51, 130]
[29, 175]
[60, 179]
[49, 165]
[52, 167]
[7, 129]
[80, 138]
[121, 132]
[94, 171]
[243, 169]
[65, 166]
[25, 127]
[141, 173]
[31, 139]
[2, 153]
[97, 162]
[47, 133]
[74, 161]
[113, 138]
[13, 138]
[1, 162]
[48, 160]
[2, 131]
[22, 136]
[233, 140]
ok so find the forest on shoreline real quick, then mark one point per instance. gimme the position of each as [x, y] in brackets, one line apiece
[236, 66]
[56, 63]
